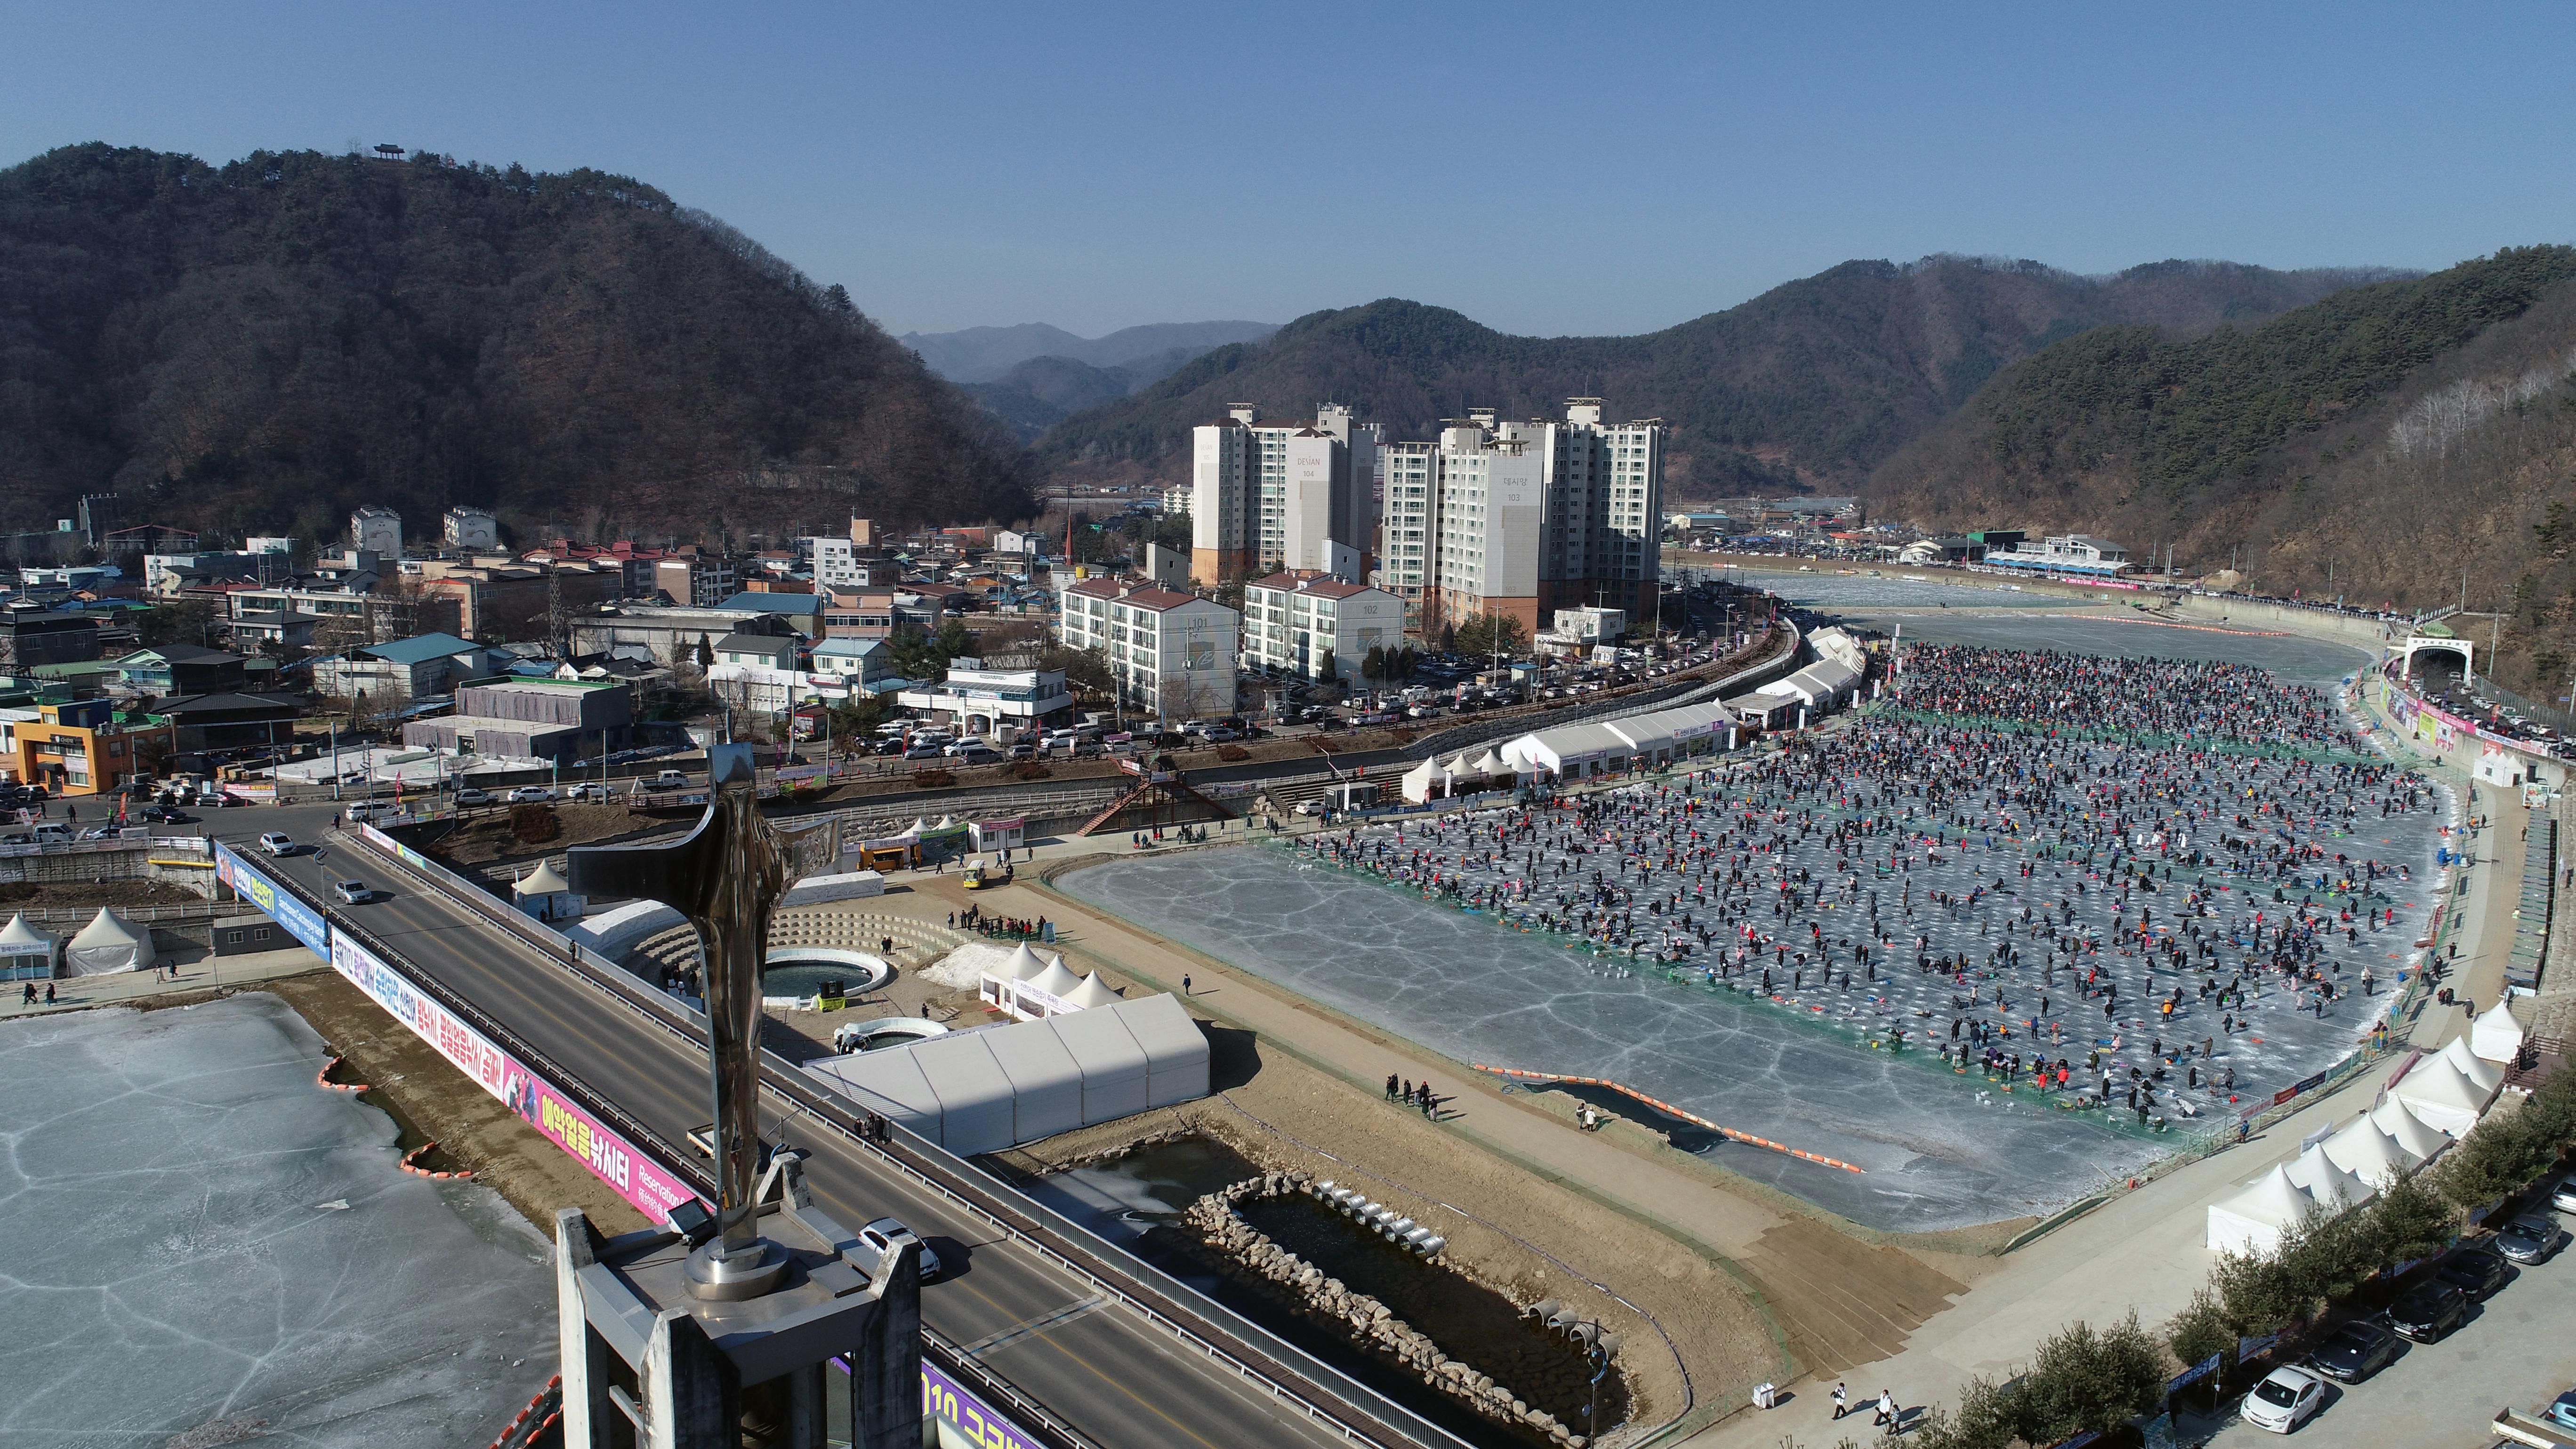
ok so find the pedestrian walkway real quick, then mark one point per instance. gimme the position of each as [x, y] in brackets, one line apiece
[171, 978]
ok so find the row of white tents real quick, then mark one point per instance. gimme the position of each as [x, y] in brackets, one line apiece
[1029, 986]
[108, 943]
[2433, 1106]
[1651, 740]
[1841, 664]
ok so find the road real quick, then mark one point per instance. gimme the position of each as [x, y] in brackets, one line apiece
[2512, 1353]
[1097, 1365]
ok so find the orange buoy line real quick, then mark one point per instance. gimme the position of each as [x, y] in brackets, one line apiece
[1668, 1108]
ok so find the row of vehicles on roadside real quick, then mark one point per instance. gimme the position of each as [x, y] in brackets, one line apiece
[2429, 1305]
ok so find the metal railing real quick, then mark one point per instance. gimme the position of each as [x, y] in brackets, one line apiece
[959, 1181]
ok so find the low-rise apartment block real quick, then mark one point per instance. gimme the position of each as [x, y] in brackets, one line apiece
[1169, 652]
[1312, 624]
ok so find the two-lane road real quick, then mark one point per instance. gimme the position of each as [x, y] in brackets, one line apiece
[1094, 1363]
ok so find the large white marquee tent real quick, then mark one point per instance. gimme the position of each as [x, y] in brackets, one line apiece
[994, 1087]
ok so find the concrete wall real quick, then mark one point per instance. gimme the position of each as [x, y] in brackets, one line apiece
[2252, 614]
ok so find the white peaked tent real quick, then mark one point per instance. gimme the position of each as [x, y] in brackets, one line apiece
[109, 943]
[1093, 992]
[25, 952]
[2253, 1220]
[2334, 1189]
[2445, 1100]
[2408, 1130]
[1459, 765]
[546, 895]
[1493, 764]
[2485, 1075]
[1423, 781]
[996, 983]
[2364, 1149]
[2497, 1036]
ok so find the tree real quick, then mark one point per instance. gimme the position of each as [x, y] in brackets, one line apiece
[1488, 636]
[1086, 671]
[1324, 665]
[953, 639]
[185, 622]
[706, 653]
[1373, 665]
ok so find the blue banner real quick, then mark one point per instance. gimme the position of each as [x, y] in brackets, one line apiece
[251, 885]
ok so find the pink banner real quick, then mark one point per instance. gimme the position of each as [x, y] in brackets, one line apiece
[610, 1157]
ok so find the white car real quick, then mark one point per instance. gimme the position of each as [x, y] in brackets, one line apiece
[2285, 1399]
[277, 842]
[530, 795]
[2563, 1196]
[887, 1233]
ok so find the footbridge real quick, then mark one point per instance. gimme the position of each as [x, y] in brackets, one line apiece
[1064, 1335]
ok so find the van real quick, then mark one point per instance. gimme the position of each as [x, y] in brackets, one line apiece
[361, 811]
[668, 780]
[49, 831]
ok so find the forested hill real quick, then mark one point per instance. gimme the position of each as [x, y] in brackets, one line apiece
[2379, 445]
[261, 345]
[1809, 384]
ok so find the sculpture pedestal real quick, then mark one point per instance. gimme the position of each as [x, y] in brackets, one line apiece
[710, 1373]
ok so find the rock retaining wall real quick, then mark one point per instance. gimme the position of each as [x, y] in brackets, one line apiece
[1371, 1323]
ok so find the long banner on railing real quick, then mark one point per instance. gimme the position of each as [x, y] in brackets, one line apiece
[252, 885]
[610, 1157]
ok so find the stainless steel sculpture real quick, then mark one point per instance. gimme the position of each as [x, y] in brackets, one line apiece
[726, 876]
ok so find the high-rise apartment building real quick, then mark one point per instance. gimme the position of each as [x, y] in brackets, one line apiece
[1265, 497]
[1524, 518]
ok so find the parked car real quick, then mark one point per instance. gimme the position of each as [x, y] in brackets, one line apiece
[923, 752]
[2356, 1351]
[2562, 1410]
[471, 796]
[2527, 1239]
[2563, 1196]
[889, 1233]
[2429, 1312]
[2283, 1401]
[350, 891]
[2474, 1271]
[531, 795]
[277, 842]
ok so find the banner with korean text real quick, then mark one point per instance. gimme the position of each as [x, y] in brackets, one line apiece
[610, 1157]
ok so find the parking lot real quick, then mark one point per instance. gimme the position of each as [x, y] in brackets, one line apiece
[2517, 1350]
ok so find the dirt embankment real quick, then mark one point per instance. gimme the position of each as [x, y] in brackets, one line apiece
[435, 1101]
[488, 838]
[1529, 1237]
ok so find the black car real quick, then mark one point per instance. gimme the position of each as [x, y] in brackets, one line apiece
[2356, 1351]
[2429, 1312]
[2474, 1271]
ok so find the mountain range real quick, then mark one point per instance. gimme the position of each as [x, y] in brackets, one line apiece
[259, 346]
[1806, 387]
[2408, 443]
[986, 354]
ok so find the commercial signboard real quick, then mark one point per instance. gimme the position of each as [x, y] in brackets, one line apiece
[963, 1420]
[251, 885]
[609, 1156]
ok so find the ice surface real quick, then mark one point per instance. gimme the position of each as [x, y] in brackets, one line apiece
[178, 1256]
[1942, 1149]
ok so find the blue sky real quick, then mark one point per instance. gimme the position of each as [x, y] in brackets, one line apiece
[1544, 169]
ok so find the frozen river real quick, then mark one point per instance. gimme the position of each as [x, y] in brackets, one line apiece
[205, 1242]
[1941, 1148]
